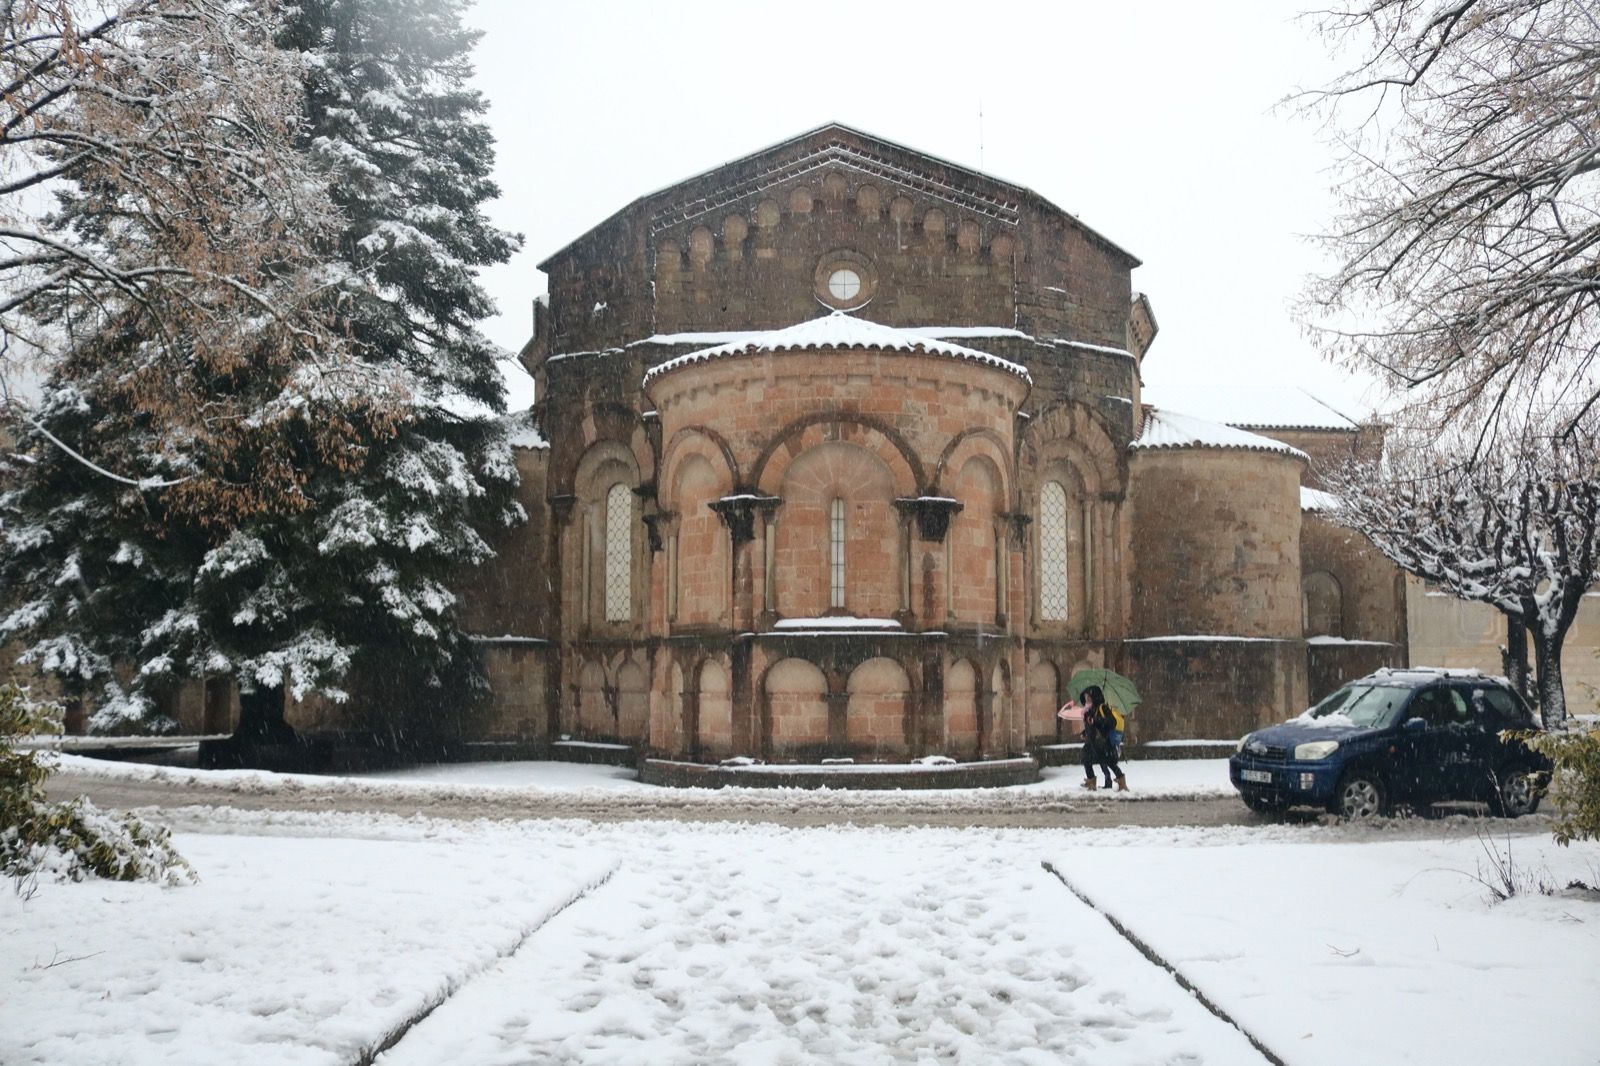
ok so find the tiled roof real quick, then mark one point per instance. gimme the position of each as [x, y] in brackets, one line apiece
[835, 331]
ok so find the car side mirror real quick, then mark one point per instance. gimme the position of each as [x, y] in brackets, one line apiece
[1415, 725]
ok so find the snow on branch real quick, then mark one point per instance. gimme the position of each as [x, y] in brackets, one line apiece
[1514, 527]
[1468, 247]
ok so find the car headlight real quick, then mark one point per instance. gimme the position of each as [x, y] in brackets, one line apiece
[1240, 745]
[1317, 749]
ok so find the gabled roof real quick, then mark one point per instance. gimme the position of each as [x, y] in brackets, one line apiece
[1263, 407]
[1168, 429]
[835, 331]
[978, 192]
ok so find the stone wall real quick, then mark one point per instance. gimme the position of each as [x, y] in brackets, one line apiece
[511, 594]
[1370, 590]
[749, 245]
[1215, 543]
[1445, 631]
[1214, 689]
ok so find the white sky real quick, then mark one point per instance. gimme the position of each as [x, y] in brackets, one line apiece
[1154, 122]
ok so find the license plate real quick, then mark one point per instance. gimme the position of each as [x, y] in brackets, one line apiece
[1259, 777]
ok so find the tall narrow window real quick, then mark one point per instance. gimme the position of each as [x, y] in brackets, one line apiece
[836, 554]
[1053, 552]
[619, 554]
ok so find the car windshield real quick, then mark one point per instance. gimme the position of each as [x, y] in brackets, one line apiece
[1366, 706]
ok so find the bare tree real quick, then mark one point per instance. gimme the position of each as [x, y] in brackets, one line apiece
[1468, 250]
[163, 249]
[1517, 527]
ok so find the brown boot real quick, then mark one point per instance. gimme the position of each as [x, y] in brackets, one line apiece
[1088, 784]
[1122, 783]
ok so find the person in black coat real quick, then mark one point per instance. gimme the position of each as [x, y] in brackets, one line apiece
[1099, 747]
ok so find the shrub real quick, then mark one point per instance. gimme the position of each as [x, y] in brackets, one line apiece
[73, 840]
[1576, 788]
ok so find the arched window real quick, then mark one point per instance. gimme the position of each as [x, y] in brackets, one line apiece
[836, 554]
[1324, 604]
[619, 554]
[1053, 553]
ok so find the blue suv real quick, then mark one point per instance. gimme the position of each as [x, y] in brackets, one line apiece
[1415, 736]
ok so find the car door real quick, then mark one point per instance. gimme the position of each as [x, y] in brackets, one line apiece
[1493, 710]
[1437, 755]
[1480, 735]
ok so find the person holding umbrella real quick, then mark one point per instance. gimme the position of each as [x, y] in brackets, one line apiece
[1102, 725]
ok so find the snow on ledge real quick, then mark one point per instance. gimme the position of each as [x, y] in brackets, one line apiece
[866, 768]
[841, 622]
[1168, 429]
[1353, 643]
[837, 330]
[1207, 637]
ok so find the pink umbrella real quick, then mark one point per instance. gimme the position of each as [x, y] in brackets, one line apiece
[1071, 711]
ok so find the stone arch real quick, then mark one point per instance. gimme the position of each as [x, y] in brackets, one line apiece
[666, 722]
[697, 440]
[807, 432]
[1078, 434]
[1322, 599]
[797, 708]
[880, 695]
[700, 549]
[999, 721]
[633, 703]
[594, 717]
[973, 541]
[602, 468]
[714, 720]
[869, 201]
[837, 482]
[960, 737]
[969, 236]
[701, 245]
[1043, 685]
[976, 441]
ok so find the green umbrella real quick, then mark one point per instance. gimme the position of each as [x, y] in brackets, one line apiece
[1119, 691]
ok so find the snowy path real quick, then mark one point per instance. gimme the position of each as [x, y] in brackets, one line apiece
[829, 947]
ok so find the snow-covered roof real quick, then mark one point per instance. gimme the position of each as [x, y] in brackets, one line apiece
[1168, 429]
[834, 331]
[1317, 500]
[1253, 406]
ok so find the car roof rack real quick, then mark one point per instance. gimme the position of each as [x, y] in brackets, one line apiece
[1435, 671]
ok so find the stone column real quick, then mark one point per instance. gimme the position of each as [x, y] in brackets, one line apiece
[561, 508]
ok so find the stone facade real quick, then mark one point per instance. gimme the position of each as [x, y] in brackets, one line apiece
[874, 544]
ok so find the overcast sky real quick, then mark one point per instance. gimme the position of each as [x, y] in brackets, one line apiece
[1154, 122]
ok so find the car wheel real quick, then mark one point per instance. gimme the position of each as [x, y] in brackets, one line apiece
[1514, 792]
[1262, 805]
[1360, 795]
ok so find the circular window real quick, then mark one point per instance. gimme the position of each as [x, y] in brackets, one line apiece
[844, 280]
[844, 284]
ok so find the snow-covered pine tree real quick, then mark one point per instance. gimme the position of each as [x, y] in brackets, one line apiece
[185, 312]
[355, 569]
[361, 579]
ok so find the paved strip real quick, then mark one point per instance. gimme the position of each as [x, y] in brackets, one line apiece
[1157, 959]
[370, 1055]
[823, 948]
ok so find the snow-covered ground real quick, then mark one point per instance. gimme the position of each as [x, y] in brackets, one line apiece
[312, 938]
[1153, 779]
[1164, 778]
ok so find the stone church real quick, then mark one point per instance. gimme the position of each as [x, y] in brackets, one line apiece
[839, 450]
